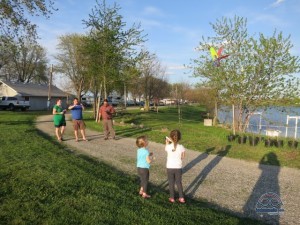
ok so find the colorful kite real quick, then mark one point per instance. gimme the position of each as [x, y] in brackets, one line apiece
[216, 56]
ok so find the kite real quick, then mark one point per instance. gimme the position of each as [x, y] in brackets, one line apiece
[216, 56]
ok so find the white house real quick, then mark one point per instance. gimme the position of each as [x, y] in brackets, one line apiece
[36, 94]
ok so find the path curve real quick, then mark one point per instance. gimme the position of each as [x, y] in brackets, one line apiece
[229, 184]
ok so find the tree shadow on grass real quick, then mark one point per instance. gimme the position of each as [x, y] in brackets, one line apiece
[129, 132]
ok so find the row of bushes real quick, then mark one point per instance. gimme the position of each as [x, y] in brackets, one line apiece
[253, 141]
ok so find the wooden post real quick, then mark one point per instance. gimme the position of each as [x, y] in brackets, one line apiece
[233, 124]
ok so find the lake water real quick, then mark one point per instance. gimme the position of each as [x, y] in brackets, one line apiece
[274, 118]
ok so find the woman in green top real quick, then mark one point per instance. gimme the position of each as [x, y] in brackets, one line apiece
[59, 120]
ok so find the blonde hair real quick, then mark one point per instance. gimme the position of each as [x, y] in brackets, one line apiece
[141, 141]
[175, 136]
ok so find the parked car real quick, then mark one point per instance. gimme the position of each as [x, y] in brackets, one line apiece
[161, 103]
[12, 103]
[130, 103]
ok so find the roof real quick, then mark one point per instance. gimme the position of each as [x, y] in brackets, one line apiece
[38, 90]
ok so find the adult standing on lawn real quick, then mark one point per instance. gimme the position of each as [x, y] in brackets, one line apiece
[77, 118]
[59, 120]
[106, 112]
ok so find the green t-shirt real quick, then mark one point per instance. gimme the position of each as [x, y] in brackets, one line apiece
[58, 118]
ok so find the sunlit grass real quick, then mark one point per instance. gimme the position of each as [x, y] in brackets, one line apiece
[43, 182]
[195, 136]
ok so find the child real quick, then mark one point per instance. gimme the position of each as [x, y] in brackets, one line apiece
[143, 164]
[176, 153]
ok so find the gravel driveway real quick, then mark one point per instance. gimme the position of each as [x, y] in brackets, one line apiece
[229, 184]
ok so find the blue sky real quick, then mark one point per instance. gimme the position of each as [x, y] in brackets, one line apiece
[175, 27]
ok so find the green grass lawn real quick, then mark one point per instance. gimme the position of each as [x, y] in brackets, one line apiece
[43, 182]
[195, 135]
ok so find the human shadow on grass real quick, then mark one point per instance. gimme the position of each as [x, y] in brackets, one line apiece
[197, 160]
[195, 184]
[265, 194]
[191, 164]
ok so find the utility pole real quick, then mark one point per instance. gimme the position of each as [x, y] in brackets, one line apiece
[49, 88]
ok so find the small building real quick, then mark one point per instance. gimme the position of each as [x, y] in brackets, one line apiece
[36, 94]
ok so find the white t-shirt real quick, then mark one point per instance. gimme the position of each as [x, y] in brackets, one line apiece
[174, 160]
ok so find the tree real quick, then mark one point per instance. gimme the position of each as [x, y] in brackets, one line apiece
[15, 16]
[26, 62]
[15, 26]
[179, 91]
[259, 69]
[151, 79]
[72, 62]
[111, 47]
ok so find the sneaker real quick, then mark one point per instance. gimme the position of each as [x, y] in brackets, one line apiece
[181, 200]
[172, 200]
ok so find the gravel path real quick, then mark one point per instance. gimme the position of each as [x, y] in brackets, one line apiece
[229, 184]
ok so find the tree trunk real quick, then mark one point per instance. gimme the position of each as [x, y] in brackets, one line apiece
[215, 119]
[98, 103]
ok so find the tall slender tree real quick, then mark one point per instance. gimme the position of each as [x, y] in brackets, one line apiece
[110, 44]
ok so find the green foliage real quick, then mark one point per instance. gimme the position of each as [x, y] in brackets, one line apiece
[110, 45]
[42, 182]
[258, 70]
[15, 16]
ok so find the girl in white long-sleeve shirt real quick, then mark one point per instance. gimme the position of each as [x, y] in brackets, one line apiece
[176, 153]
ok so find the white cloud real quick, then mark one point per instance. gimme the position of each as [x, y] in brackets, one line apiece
[277, 3]
[271, 20]
[177, 67]
[150, 23]
[152, 11]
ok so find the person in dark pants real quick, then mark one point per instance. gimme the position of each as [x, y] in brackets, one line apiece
[77, 118]
[176, 153]
[106, 112]
[144, 159]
